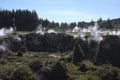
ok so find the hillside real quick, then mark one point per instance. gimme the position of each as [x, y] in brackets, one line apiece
[43, 66]
[58, 56]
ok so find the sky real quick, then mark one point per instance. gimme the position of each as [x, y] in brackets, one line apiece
[67, 10]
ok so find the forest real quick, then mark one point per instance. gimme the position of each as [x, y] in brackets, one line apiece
[25, 20]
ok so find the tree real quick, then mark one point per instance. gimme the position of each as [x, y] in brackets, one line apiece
[81, 24]
[92, 23]
[56, 25]
[107, 24]
[24, 20]
[59, 71]
[64, 25]
[78, 54]
[72, 25]
[99, 20]
[45, 23]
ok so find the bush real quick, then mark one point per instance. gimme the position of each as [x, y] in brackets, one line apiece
[46, 73]
[22, 72]
[6, 71]
[20, 54]
[108, 73]
[35, 65]
[56, 72]
[59, 71]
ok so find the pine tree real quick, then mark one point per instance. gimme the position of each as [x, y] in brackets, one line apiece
[78, 54]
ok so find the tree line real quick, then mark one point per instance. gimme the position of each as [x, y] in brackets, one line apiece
[25, 20]
[106, 24]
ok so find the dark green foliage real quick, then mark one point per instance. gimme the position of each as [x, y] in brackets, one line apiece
[26, 20]
[6, 72]
[83, 24]
[99, 20]
[64, 25]
[109, 51]
[1, 54]
[45, 23]
[46, 73]
[69, 58]
[107, 24]
[20, 54]
[36, 65]
[23, 20]
[59, 71]
[56, 72]
[50, 42]
[108, 72]
[88, 71]
[72, 25]
[5, 18]
[78, 54]
[92, 23]
[20, 68]
[22, 72]
[83, 67]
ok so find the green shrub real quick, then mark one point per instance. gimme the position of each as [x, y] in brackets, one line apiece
[6, 72]
[35, 65]
[59, 71]
[56, 72]
[46, 73]
[22, 72]
[83, 67]
[19, 53]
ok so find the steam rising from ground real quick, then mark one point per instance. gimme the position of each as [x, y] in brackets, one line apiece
[42, 31]
[93, 33]
[51, 31]
[4, 31]
[2, 48]
[3, 34]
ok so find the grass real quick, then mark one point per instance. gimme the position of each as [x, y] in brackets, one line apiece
[85, 70]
